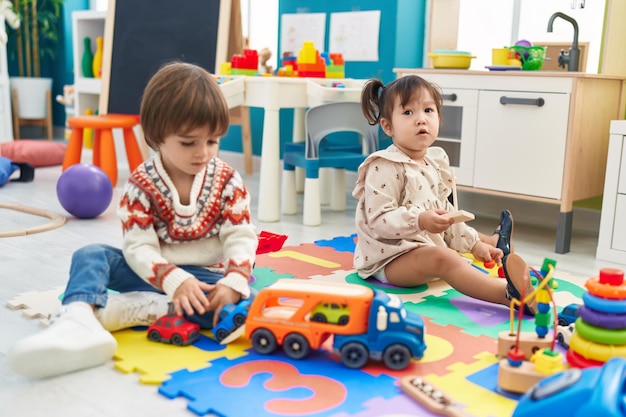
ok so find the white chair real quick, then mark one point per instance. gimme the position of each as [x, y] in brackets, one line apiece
[317, 153]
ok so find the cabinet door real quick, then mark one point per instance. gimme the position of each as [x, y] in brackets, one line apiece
[520, 142]
[458, 130]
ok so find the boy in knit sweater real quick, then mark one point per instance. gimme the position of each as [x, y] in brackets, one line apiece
[188, 241]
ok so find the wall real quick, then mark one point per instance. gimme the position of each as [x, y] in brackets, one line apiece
[401, 42]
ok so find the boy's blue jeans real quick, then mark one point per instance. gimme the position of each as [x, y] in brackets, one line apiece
[96, 268]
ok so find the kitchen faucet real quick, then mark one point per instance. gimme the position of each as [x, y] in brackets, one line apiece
[567, 58]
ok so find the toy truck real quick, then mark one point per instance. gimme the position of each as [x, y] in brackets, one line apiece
[378, 325]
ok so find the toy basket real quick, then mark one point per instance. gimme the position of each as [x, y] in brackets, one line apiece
[532, 57]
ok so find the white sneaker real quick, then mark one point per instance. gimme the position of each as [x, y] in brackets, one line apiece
[129, 309]
[73, 341]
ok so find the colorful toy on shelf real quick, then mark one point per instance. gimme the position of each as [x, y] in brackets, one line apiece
[97, 57]
[87, 58]
[379, 327]
[600, 329]
[530, 357]
[232, 317]
[597, 391]
[174, 329]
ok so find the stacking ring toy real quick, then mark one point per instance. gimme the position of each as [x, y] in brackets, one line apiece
[604, 305]
[606, 320]
[577, 361]
[599, 334]
[595, 351]
[597, 288]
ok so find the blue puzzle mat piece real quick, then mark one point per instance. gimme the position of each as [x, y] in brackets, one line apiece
[340, 244]
[280, 386]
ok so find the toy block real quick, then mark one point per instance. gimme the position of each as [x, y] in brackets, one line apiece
[307, 54]
[337, 58]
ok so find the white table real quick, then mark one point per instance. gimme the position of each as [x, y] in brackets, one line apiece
[273, 94]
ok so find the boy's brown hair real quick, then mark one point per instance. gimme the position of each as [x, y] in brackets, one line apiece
[179, 98]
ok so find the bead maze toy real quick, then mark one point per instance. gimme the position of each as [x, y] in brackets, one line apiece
[600, 331]
[530, 357]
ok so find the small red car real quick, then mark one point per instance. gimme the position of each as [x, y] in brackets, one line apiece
[174, 329]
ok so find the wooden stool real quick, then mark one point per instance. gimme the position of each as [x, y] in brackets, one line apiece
[103, 143]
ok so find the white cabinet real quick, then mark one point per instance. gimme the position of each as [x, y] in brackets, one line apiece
[86, 23]
[6, 124]
[612, 237]
[536, 135]
[512, 153]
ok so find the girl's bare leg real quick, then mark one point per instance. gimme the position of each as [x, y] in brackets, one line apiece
[425, 263]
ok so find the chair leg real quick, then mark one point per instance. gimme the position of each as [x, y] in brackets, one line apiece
[288, 200]
[311, 212]
[108, 160]
[74, 148]
[95, 145]
[246, 139]
[325, 186]
[16, 118]
[338, 190]
[133, 153]
[49, 114]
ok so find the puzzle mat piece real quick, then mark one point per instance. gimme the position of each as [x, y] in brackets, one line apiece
[335, 276]
[38, 304]
[446, 345]
[279, 386]
[155, 361]
[479, 401]
[382, 407]
[305, 260]
[264, 277]
[340, 243]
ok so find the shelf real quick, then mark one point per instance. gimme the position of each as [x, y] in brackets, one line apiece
[88, 85]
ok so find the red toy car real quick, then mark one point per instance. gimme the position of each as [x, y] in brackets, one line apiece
[175, 330]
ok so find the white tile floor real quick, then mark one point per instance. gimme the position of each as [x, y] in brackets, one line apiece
[40, 262]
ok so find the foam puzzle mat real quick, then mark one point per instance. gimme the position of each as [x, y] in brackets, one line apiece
[460, 334]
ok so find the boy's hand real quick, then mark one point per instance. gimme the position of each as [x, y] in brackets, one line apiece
[190, 297]
[219, 296]
[433, 221]
[485, 252]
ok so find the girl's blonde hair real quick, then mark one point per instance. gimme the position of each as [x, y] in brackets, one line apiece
[179, 98]
[377, 100]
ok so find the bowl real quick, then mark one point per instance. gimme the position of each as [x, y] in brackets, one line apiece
[451, 59]
[532, 57]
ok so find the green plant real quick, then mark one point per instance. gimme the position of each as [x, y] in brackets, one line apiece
[38, 35]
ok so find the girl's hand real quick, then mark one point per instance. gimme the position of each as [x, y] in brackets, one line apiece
[219, 297]
[433, 222]
[190, 297]
[485, 252]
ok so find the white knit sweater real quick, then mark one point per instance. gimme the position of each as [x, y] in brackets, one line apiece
[212, 231]
[393, 190]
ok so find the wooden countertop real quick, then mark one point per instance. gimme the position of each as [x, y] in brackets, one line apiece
[559, 74]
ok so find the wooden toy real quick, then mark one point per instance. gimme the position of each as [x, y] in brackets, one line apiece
[433, 399]
[459, 216]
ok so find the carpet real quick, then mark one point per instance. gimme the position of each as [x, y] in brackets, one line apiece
[460, 334]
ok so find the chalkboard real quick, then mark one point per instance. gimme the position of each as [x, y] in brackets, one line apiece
[141, 35]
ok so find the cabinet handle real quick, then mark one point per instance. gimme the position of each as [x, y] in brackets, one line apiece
[523, 101]
[450, 97]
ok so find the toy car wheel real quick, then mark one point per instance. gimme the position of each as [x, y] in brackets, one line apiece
[563, 322]
[239, 320]
[343, 320]
[177, 340]
[296, 346]
[397, 357]
[155, 336]
[319, 317]
[354, 355]
[221, 335]
[263, 341]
